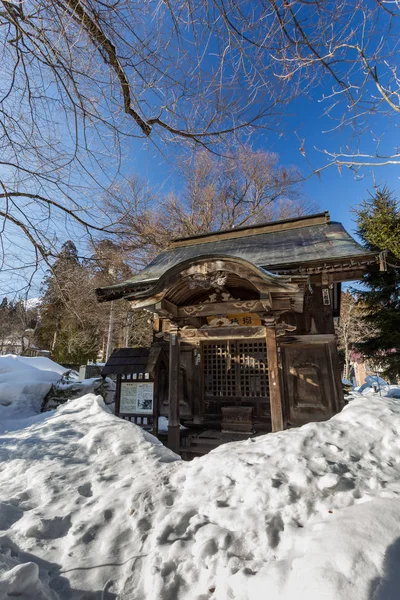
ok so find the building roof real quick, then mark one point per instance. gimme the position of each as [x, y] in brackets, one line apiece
[276, 247]
[126, 361]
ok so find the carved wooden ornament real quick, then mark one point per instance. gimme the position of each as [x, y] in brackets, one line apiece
[283, 328]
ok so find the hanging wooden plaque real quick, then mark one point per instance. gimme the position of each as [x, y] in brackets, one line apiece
[242, 319]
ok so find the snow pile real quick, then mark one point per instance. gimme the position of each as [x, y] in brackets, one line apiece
[69, 388]
[21, 580]
[374, 387]
[104, 511]
[24, 381]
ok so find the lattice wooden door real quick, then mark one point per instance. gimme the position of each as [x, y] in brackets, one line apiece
[236, 374]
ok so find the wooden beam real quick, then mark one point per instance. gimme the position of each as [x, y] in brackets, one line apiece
[312, 338]
[274, 382]
[118, 395]
[173, 392]
[282, 303]
[147, 302]
[209, 333]
[165, 307]
[339, 270]
[351, 275]
[335, 370]
[223, 308]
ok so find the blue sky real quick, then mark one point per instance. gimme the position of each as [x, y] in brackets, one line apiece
[336, 191]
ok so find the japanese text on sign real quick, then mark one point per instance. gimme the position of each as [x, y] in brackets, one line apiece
[136, 398]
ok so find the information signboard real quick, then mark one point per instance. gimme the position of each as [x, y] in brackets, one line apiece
[137, 398]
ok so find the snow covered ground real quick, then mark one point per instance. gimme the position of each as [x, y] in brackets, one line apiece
[92, 507]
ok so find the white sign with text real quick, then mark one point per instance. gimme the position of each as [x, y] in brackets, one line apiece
[137, 397]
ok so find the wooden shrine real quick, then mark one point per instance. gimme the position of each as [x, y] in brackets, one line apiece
[246, 317]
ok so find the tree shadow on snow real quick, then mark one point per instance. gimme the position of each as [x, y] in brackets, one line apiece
[388, 586]
[51, 574]
[38, 449]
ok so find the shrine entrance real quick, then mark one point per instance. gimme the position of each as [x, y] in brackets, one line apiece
[235, 374]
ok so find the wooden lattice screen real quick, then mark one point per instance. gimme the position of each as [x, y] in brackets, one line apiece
[253, 369]
[236, 373]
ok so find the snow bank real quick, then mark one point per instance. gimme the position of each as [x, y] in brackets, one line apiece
[21, 580]
[104, 510]
[67, 388]
[24, 381]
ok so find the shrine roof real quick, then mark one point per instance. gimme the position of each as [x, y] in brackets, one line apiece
[126, 361]
[277, 247]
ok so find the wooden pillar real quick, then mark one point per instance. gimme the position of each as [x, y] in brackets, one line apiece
[274, 384]
[118, 395]
[173, 392]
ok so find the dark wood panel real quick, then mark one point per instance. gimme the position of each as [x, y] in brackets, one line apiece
[321, 314]
[310, 382]
[173, 393]
[186, 391]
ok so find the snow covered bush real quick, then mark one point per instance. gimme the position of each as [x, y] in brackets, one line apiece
[68, 388]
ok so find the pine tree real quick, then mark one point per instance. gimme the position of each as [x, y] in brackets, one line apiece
[378, 225]
[59, 322]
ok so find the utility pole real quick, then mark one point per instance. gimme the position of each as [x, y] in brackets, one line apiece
[128, 328]
[110, 331]
[111, 272]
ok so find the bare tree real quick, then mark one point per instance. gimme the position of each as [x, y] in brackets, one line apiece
[17, 324]
[81, 78]
[342, 52]
[351, 328]
[215, 193]
[248, 188]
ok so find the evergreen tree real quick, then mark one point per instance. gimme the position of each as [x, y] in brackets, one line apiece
[61, 325]
[378, 224]
[74, 326]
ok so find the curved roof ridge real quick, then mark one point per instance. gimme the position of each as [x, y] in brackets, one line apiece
[256, 229]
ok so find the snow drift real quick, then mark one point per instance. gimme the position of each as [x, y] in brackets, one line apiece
[24, 382]
[93, 507]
